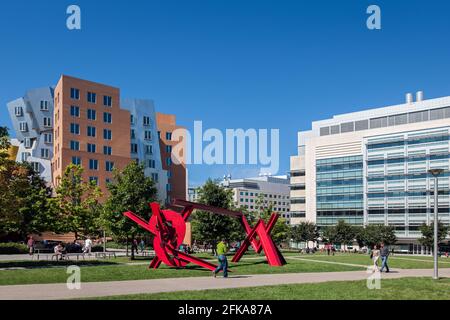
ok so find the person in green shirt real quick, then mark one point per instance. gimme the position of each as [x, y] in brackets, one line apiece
[222, 249]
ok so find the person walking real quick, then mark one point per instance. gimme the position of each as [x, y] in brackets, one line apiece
[142, 245]
[222, 249]
[375, 255]
[87, 246]
[384, 252]
[30, 245]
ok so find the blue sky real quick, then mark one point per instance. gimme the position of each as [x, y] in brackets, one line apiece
[233, 63]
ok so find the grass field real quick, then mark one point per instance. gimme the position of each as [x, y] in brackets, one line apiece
[32, 272]
[393, 289]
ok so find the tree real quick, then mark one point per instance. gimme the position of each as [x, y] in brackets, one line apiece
[280, 231]
[132, 191]
[374, 235]
[77, 202]
[427, 238]
[329, 234]
[345, 233]
[304, 232]
[211, 227]
[24, 199]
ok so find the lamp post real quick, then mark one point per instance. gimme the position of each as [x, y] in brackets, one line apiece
[436, 173]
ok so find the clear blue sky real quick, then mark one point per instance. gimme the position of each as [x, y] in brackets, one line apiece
[233, 63]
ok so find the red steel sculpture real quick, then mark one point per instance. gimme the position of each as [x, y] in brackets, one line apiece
[169, 229]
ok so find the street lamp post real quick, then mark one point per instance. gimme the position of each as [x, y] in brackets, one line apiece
[436, 173]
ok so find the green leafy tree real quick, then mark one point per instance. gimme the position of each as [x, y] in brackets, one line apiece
[77, 202]
[131, 191]
[345, 233]
[210, 227]
[280, 231]
[374, 235]
[304, 232]
[329, 234]
[427, 238]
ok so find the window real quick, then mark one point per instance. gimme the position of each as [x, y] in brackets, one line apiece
[75, 111]
[361, 125]
[23, 126]
[168, 149]
[36, 166]
[92, 97]
[25, 156]
[18, 111]
[133, 134]
[107, 117]
[168, 136]
[45, 153]
[107, 150]
[146, 121]
[91, 148]
[44, 105]
[107, 134]
[93, 164]
[76, 161]
[47, 122]
[325, 131]
[74, 145]
[168, 161]
[28, 143]
[148, 135]
[75, 94]
[378, 123]
[168, 187]
[155, 177]
[134, 148]
[151, 164]
[109, 166]
[418, 116]
[149, 149]
[107, 101]
[91, 131]
[93, 180]
[131, 119]
[74, 128]
[91, 114]
[347, 127]
[48, 138]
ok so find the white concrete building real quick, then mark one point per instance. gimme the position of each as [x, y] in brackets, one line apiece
[371, 167]
[270, 189]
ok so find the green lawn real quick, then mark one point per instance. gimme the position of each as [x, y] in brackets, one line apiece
[117, 271]
[395, 289]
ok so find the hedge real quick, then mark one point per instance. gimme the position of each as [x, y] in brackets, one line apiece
[13, 248]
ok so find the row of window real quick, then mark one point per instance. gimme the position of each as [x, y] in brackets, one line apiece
[251, 194]
[405, 176]
[147, 134]
[401, 194]
[409, 159]
[388, 121]
[91, 131]
[91, 97]
[91, 114]
[44, 106]
[413, 141]
[94, 164]
[280, 203]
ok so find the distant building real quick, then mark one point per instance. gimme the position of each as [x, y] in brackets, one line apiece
[193, 194]
[261, 192]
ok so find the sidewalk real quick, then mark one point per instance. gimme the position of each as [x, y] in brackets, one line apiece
[101, 289]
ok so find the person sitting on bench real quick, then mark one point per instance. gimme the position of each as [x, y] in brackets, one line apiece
[59, 251]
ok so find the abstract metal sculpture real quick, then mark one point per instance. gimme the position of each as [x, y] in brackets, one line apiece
[169, 229]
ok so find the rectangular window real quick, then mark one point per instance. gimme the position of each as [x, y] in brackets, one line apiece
[75, 94]
[74, 145]
[91, 114]
[23, 126]
[131, 119]
[107, 101]
[75, 111]
[91, 148]
[146, 121]
[44, 105]
[25, 156]
[151, 164]
[47, 122]
[45, 153]
[91, 131]
[18, 111]
[74, 128]
[134, 148]
[94, 180]
[76, 161]
[109, 166]
[48, 138]
[168, 136]
[93, 164]
[107, 150]
[361, 125]
[324, 131]
[133, 134]
[148, 135]
[107, 117]
[168, 149]
[92, 97]
[149, 149]
[28, 143]
[168, 161]
[155, 177]
[107, 134]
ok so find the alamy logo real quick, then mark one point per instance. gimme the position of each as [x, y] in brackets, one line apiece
[374, 20]
[74, 279]
[374, 280]
[235, 146]
[73, 22]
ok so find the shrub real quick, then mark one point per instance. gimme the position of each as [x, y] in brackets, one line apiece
[13, 248]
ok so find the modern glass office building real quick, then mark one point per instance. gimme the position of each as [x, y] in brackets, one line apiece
[371, 167]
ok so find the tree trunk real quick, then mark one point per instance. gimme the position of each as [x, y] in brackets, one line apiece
[127, 246]
[132, 248]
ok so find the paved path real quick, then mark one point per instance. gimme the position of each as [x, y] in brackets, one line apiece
[101, 289]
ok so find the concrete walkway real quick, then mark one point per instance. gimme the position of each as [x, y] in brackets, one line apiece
[102, 289]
